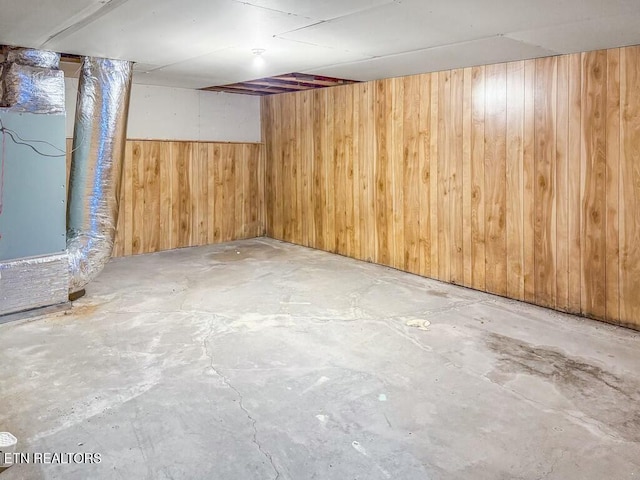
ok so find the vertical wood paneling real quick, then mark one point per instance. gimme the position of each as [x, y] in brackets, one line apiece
[424, 156]
[467, 124]
[529, 182]
[478, 256]
[455, 177]
[495, 179]
[433, 175]
[276, 211]
[520, 179]
[268, 125]
[229, 179]
[307, 161]
[612, 241]
[239, 162]
[179, 194]
[545, 177]
[594, 111]
[151, 186]
[574, 181]
[169, 195]
[397, 166]
[175, 196]
[561, 196]
[164, 167]
[443, 210]
[137, 198]
[298, 170]
[289, 166]
[383, 173]
[118, 245]
[127, 236]
[349, 247]
[331, 109]
[367, 163]
[355, 176]
[340, 161]
[515, 180]
[319, 170]
[183, 152]
[411, 181]
[254, 186]
[630, 187]
[204, 211]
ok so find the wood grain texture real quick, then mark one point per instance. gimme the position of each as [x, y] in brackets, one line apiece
[529, 182]
[456, 150]
[424, 156]
[443, 210]
[495, 179]
[515, 181]
[478, 256]
[433, 173]
[521, 179]
[411, 171]
[612, 159]
[594, 109]
[467, 124]
[182, 194]
[383, 174]
[561, 196]
[575, 168]
[545, 178]
[397, 166]
[367, 149]
[629, 187]
[340, 164]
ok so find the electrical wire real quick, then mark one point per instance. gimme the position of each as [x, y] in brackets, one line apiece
[18, 140]
[15, 138]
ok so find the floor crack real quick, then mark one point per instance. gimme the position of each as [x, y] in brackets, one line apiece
[228, 383]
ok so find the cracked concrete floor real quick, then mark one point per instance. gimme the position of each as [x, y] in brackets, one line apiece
[261, 360]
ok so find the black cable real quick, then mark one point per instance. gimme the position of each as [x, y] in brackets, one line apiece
[32, 141]
[28, 143]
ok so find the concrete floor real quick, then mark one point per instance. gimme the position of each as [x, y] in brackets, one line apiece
[263, 360]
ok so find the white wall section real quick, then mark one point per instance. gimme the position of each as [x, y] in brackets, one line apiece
[164, 113]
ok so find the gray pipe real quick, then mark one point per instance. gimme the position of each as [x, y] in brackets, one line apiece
[96, 166]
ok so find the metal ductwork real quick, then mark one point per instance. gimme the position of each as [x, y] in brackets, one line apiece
[96, 166]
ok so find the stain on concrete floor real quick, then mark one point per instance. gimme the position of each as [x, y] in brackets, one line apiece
[592, 389]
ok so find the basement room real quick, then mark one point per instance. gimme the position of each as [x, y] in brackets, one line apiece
[297, 240]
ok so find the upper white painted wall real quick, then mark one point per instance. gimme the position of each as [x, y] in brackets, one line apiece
[164, 113]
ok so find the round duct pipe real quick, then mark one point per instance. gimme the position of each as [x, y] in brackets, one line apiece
[96, 166]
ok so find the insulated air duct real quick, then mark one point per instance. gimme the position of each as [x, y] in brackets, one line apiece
[96, 166]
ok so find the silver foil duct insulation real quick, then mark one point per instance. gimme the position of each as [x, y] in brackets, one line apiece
[31, 81]
[33, 282]
[33, 58]
[96, 166]
[33, 89]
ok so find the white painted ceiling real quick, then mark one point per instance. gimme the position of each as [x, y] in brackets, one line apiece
[201, 43]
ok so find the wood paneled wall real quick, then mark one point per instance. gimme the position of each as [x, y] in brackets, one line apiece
[182, 194]
[519, 179]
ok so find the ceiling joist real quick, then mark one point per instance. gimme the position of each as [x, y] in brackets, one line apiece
[290, 82]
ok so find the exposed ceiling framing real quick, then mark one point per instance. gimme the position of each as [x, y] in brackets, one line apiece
[290, 82]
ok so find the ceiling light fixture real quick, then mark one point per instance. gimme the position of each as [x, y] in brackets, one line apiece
[258, 61]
